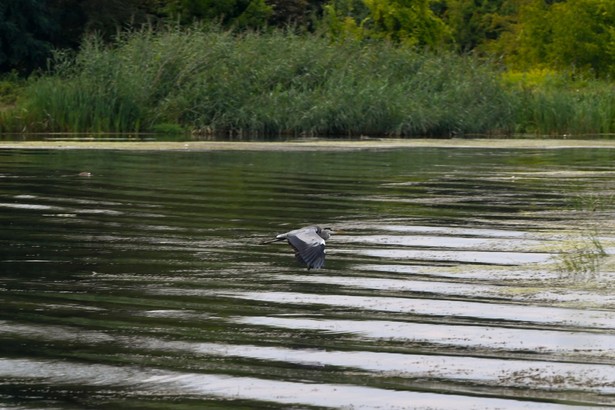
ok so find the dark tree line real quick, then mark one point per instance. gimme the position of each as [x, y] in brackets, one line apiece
[31, 29]
[525, 34]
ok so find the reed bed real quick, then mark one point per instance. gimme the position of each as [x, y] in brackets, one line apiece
[209, 81]
[571, 112]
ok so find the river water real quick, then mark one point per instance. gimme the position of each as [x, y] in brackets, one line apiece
[457, 279]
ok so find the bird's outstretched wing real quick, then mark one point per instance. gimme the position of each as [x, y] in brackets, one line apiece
[309, 247]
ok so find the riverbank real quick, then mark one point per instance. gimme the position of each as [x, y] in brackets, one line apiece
[212, 83]
[309, 144]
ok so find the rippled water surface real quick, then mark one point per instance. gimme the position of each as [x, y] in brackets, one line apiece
[458, 278]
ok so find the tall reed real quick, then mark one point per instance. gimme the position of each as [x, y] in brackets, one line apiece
[550, 103]
[211, 81]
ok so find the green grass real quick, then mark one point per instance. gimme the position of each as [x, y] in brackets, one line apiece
[560, 103]
[567, 112]
[208, 81]
[583, 259]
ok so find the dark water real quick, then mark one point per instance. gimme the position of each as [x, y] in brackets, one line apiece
[144, 284]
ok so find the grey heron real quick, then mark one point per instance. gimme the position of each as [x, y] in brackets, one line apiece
[308, 243]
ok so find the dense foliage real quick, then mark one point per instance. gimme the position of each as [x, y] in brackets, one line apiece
[567, 35]
[25, 34]
[525, 34]
[212, 81]
[409, 23]
[394, 67]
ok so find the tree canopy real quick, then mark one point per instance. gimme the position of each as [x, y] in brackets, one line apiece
[25, 34]
[406, 22]
[573, 35]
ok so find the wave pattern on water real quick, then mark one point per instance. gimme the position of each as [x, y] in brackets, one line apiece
[146, 282]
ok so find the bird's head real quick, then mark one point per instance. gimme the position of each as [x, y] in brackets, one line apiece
[325, 233]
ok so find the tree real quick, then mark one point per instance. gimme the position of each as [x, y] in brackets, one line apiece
[345, 18]
[106, 17]
[583, 35]
[239, 13]
[407, 22]
[411, 22]
[565, 35]
[25, 32]
[255, 15]
[294, 12]
[473, 23]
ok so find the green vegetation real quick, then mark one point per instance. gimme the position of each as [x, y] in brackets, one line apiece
[583, 259]
[567, 35]
[409, 23]
[551, 103]
[10, 88]
[583, 256]
[213, 81]
[309, 67]
[596, 201]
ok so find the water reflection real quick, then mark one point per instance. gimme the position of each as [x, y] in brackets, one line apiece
[145, 284]
[170, 385]
[467, 336]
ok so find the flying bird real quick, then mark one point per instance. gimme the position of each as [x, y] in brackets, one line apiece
[308, 243]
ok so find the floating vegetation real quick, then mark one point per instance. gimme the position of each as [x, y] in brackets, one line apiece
[584, 258]
[594, 201]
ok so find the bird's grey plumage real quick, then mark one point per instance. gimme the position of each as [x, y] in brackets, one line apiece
[309, 244]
